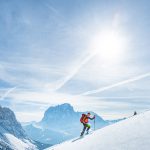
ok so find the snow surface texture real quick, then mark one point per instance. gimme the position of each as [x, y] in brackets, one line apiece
[18, 144]
[130, 134]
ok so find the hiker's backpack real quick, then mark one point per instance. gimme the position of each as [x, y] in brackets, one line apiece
[83, 117]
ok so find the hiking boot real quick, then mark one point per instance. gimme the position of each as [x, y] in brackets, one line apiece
[87, 132]
[81, 134]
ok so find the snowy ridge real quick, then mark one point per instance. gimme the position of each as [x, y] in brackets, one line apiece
[12, 135]
[130, 134]
[18, 144]
[10, 142]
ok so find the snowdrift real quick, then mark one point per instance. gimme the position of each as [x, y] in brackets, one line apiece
[130, 134]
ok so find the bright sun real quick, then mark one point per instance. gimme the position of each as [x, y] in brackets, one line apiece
[108, 44]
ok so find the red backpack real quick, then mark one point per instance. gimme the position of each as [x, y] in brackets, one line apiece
[83, 117]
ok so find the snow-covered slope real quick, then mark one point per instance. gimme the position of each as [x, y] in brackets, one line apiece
[130, 134]
[19, 144]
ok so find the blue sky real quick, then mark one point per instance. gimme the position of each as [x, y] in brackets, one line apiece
[92, 54]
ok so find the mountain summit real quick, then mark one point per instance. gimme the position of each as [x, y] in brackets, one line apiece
[63, 117]
[58, 114]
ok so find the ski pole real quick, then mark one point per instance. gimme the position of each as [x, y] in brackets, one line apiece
[94, 124]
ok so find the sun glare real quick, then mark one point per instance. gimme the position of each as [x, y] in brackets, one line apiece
[109, 45]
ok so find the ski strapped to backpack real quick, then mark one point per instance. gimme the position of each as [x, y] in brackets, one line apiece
[83, 117]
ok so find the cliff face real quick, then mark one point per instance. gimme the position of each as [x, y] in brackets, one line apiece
[9, 123]
[12, 135]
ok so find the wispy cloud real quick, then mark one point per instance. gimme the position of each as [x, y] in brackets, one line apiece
[7, 93]
[117, 84]
[60, 83]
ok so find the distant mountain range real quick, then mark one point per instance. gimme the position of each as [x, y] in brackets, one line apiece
[60, 123]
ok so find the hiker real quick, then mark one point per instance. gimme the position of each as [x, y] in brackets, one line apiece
[84, 120]
[135, 113]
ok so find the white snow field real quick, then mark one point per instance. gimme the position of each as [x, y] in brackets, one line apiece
[18, 144]
[130, 134]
